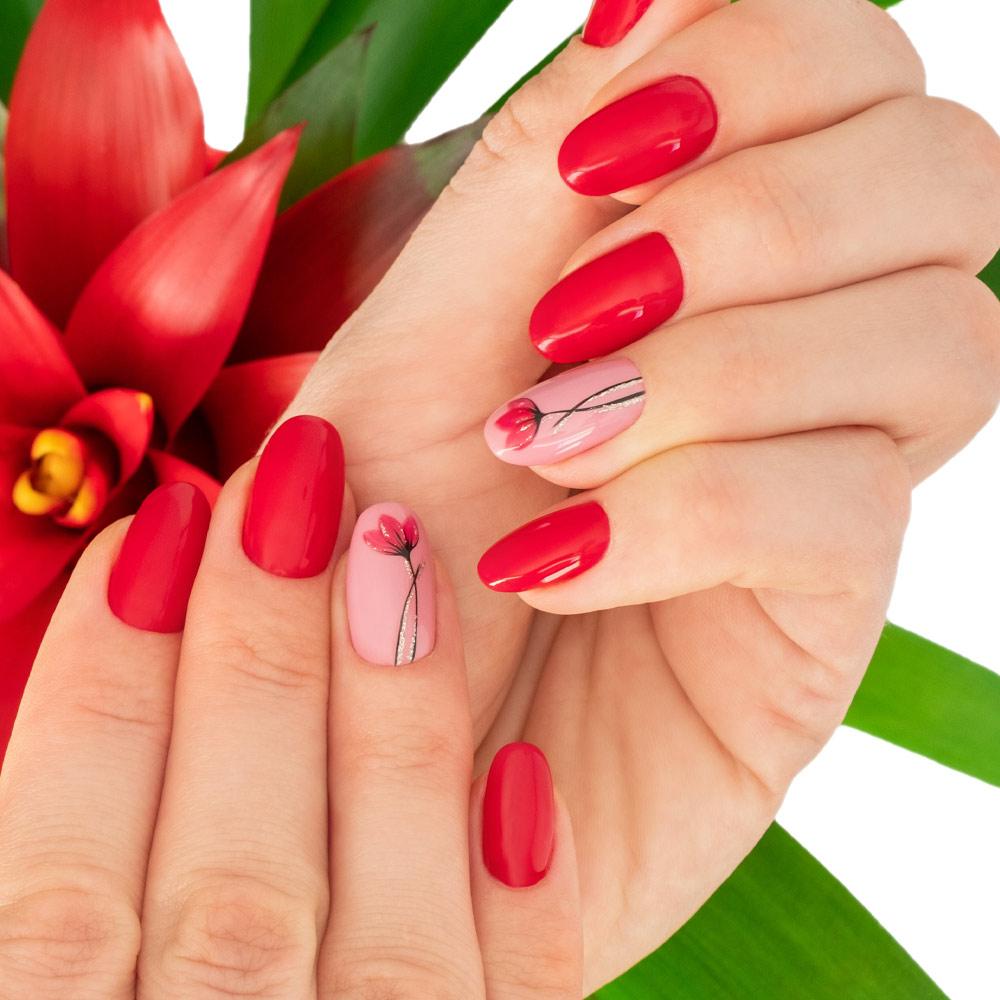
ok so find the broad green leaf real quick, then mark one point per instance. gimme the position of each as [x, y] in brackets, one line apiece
[991, 275]
[279, 31]
[327, 100]
[415, 47]
[16, 19]
[886, 3]
[780, 928]
[932, 701]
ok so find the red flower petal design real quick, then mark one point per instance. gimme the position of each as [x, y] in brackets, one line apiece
[520, 420]
[392, 538]
[105, 128]
[36, 375]
[411, 533]
[162, 312]
[246, 400]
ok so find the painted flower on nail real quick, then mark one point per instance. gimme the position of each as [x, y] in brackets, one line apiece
[523, 417]
[521, 421]
[394, 539]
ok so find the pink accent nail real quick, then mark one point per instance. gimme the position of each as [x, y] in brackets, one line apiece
[567, 414]
[390, 587]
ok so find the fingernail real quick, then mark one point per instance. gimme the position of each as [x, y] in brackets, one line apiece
[293, 516]
[639, 137]
[519, 816]
[550, 549]
[152, 577]
[611, 20]
[609, 302]
[568, 414]
[390, 587]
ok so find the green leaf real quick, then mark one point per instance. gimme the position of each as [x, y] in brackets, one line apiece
[932, 701]
[327, 99]
[780, 928]
[16, 19]
[415, 47]
[886, 3]
[991, 275]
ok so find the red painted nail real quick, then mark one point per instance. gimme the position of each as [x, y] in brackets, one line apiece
[293, 517]
[611, 20]
[152, 577]
[639, 137]
[609, 302]
[550, 549]
[519, 816]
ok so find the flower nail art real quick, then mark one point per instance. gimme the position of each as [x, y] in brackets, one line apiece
[390, 587]
[567, 414]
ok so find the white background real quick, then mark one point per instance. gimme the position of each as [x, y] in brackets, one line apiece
[918, 844]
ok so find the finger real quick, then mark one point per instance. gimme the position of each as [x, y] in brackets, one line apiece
[785, 220]
[688, 100]
[915, 354]
[401, 923]
[81, 781]
[813, 513]
[524, 881]
[237, 892]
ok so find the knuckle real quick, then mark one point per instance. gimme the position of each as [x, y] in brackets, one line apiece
[888, 36]
[398, 977]
[271, 660]
[241, 939]
[787, 225]
[85, 942]
[711, 494]
[410, 752]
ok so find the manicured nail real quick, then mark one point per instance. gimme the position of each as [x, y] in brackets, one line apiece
[390, 587]
[152, 577]
[293, 516]
[639, 137]
[550, 549]
[611, 20]
[519, 813]
[609, 302]
[567, 414]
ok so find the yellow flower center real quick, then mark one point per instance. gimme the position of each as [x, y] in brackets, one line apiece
[61, 480]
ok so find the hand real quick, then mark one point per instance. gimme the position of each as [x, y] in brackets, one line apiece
[830, 347]
[212, 862]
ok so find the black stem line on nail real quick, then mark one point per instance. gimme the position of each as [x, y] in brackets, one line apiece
[582, 408]
[414, 595]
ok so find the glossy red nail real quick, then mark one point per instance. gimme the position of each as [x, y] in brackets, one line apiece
[152, 577]
[611, 20]
[550, 549]
[519, 816]
[609, 302]
[639, 137]
[293, 517]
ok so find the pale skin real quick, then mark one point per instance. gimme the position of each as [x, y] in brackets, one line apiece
[833, 349]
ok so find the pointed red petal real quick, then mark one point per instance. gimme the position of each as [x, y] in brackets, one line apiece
[33, 550]
[163, 310]
[19, 640]
[105, 128]
[37, 381]
[331, 249]
[246, 400]
[122, 415]
[171, 469]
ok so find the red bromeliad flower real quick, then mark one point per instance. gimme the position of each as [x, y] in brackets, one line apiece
[148, 332]
[521, 421]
